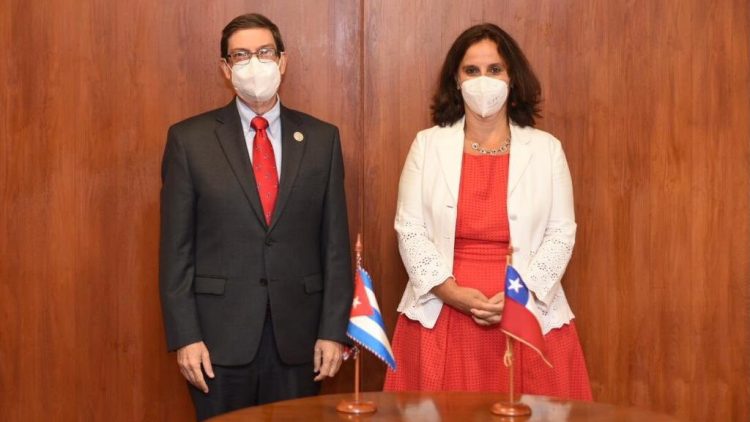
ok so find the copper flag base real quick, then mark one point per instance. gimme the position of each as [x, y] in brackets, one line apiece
[510, 409]
[356, 407]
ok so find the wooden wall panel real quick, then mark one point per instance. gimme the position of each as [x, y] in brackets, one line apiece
[650, 100]
[88, 91]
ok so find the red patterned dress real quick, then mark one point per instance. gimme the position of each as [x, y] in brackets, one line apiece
[459, 355]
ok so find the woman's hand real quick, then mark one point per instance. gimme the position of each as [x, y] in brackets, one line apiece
[470, 301]
[486, 317]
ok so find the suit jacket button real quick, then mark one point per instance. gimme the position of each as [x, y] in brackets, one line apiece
[269, 242]
[263, 282]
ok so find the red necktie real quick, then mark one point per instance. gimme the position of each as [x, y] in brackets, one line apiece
[264, 167]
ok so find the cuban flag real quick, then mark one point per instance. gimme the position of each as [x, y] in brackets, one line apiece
[520, 320]
[366, 326]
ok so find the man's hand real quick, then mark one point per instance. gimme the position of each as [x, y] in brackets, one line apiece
[190, 358]
[327, 358]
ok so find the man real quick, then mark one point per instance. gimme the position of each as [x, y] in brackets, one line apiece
[255, 273]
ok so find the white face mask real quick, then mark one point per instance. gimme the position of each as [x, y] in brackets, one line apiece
[484, 95]
[255, 81]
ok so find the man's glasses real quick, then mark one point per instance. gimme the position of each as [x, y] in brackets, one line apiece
[264, 54]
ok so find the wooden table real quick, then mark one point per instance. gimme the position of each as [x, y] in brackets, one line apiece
[429, 407]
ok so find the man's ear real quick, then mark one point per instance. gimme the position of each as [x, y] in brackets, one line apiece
[225, 69]
[282, 63]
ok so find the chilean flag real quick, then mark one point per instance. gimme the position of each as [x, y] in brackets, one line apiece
[366, 326]
[520, 320]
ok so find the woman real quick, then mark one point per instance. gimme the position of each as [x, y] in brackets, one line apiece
[479, 179]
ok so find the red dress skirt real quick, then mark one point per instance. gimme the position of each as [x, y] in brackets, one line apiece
[459, 355]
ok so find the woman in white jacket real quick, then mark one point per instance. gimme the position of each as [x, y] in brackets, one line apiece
[479, 180]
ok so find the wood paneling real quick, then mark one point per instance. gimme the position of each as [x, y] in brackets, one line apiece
[88, 91]
[650, 100]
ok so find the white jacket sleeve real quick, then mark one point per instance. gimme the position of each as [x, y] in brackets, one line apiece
[424, 264]
[548, 263]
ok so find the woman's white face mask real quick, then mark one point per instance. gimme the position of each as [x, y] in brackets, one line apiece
[256, 81]
[485, 96]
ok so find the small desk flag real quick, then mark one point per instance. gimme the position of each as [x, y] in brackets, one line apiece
[366, 326]
[520, 320]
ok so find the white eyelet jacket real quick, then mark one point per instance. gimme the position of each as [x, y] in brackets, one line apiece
[540, 213]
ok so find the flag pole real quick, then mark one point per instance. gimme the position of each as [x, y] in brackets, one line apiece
[356, 377]
[509, 364]
[508, 358]
[510, 408]
[356, 406]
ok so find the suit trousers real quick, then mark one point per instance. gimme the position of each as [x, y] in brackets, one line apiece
[264, 380]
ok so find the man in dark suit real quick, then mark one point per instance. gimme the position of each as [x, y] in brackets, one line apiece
[255, 268]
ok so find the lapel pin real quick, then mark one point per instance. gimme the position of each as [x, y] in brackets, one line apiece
[298, 136]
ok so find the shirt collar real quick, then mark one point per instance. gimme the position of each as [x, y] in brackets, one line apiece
[247, 114]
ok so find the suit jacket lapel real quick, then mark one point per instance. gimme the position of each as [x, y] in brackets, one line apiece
[291, 157]
[232, 141]
[520, 156]
[450, 152]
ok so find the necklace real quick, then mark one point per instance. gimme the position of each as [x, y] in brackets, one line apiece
[502, 149]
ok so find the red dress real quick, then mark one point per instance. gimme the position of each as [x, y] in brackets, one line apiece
[459, 355]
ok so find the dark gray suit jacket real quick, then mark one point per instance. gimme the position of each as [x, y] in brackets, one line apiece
[221, 265]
